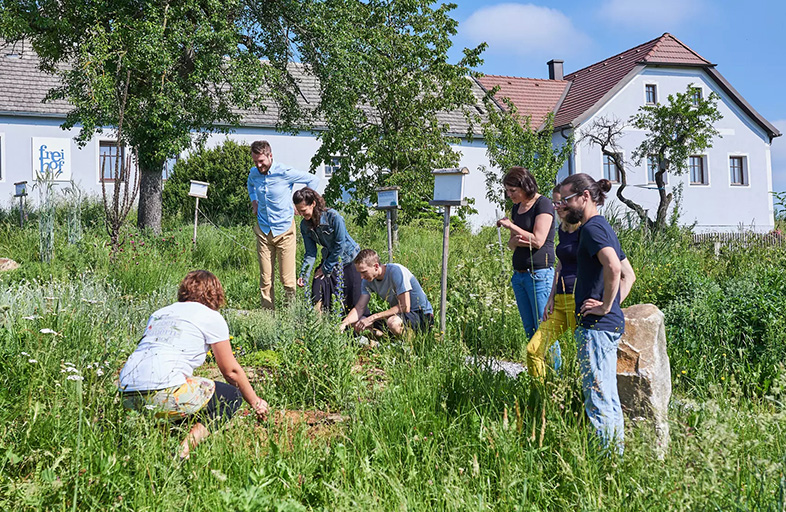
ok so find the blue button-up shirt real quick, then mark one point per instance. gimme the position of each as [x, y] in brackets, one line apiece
[273, 193]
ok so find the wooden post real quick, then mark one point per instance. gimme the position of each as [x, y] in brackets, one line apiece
[389, 214]
[196, 218]
[444, 280]
[21, 211]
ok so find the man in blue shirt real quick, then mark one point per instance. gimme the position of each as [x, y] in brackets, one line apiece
[270, 190]
[409, 306]
[603, 279]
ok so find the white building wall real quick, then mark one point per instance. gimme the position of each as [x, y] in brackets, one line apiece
[16, 158]
[717, 206]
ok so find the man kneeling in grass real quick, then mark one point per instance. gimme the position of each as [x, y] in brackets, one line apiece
[409, 306]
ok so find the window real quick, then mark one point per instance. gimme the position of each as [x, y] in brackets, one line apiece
[738, 169]
[696, 95]
[652, 168]
[698, 170]
[168, 167]
[333, 166]
[108, 161]
[651, 93]
[610, 171]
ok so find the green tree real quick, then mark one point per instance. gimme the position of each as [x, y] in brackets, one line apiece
[383, 88]
[512, 141]
[682, 127]
[186, 66]
[226, 169]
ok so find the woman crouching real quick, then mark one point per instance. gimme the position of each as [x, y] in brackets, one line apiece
[158, 376]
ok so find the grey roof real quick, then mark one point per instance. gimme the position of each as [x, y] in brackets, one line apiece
[23, 87]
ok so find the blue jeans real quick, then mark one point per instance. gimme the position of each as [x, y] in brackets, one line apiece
[532, 290]
[597, 354]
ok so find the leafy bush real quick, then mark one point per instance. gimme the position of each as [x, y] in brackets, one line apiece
[226, 169]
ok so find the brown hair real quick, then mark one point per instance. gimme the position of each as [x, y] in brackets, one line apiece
[310, 196]
[578, 183]
[367, 257]
[203, 287]
[261, 147]
[521, 177]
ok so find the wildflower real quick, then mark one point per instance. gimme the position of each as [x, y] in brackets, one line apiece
[150, 407]
[32, 317]
[46, 330]
[32, 361]
[25, 354]
[75, 377]
[684, 372]
[99, 372]
[69, 364]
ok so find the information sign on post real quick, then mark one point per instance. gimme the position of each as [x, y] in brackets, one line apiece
[198, 190]
[448, 191]
[387, 199]
[20, 191]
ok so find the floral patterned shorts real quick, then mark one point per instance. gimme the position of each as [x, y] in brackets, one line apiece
[173, 403]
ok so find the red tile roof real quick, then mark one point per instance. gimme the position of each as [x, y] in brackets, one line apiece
[590, 84]
[532, 97]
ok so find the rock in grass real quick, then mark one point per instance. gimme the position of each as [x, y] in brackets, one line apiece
[510, 368]
[8, 264]
[643, 369]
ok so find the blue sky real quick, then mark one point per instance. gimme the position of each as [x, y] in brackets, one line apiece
[745, 39]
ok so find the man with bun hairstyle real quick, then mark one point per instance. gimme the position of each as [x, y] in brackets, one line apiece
[603, 279]
[409, 306]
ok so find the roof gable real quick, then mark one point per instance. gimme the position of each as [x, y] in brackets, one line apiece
[593, 83]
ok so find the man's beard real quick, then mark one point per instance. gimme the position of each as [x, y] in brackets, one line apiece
[573, 215]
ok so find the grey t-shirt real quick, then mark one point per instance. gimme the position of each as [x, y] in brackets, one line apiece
[397, 280]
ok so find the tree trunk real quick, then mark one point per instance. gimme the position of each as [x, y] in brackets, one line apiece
[665, 199]
[627, 202]
[150, 187]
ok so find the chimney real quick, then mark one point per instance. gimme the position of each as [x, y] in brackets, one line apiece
[555, 69]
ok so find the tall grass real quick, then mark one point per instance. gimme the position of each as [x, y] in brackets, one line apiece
[422, 429]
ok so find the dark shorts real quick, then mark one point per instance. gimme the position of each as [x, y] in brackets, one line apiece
[417, 320]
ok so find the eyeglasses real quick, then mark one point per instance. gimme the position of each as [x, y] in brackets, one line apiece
[563, 201]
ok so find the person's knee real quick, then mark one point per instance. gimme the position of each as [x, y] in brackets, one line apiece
[534, 348]
[395, 325]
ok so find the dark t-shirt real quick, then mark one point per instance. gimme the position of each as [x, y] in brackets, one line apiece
[594, 235]
[566, 253]
[525, 258]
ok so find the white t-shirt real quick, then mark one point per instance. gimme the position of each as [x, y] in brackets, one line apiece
[176, 341]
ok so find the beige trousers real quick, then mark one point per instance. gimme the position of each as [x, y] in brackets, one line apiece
[269, 249]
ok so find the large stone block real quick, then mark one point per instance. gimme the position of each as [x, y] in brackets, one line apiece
[643, 369]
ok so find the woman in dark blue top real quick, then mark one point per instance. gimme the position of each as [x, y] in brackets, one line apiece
[336, 273]
[559, 315]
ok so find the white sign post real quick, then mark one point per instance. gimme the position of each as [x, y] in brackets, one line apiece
[448, 191]
[20, 191]
[387, 199]
[199, 190]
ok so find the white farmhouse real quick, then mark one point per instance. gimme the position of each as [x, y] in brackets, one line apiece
[725, 189]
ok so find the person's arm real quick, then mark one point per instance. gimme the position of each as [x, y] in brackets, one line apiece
[403, 306]
[309, 258]
[234, 375]
[306, 178]
[544, 223]
[354, 314]
[252, 194]
[330, 260]
[612, 269]
[627, 278]
[549, 309]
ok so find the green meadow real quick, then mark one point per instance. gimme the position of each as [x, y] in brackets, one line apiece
[402, 426]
